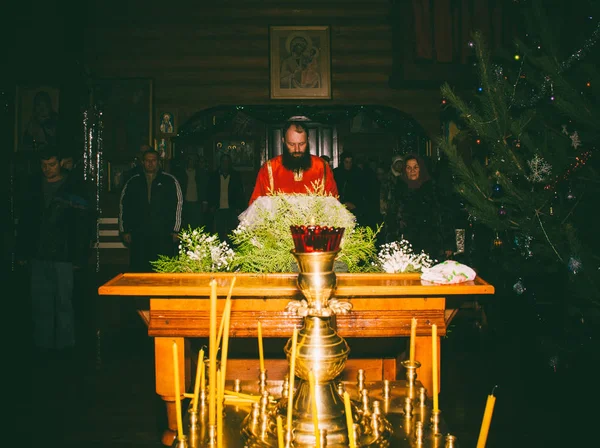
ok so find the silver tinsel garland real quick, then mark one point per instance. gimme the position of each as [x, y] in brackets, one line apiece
[93, 170]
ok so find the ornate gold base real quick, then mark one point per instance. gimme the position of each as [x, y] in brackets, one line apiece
[383, 415]
[400, 431]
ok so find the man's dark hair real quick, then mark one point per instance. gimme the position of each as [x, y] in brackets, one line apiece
[346, 155]
[50, 151]
[149, 151]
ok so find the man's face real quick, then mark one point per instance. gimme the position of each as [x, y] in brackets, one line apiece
[51, 169]
[295, 142]
[348, 163]
[150, 162]
[412, 169]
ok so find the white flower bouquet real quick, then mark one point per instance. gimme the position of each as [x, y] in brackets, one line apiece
[398, 256]
[198, 252]
[263, 239]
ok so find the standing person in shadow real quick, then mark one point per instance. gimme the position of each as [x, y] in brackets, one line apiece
[225, 198]
[193, 179]
[371, 191]
[350, 184]
[54, 240]
[417, 216]
[150, 214]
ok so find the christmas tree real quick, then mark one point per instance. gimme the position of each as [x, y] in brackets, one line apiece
[524, 158]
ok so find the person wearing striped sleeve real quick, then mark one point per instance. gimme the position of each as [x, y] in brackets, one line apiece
[150, 214]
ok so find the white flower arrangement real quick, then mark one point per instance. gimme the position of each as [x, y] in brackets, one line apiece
[398, 256]
[198, 252]
[264, 241]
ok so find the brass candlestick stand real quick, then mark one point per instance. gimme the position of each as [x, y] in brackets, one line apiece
[323, 352]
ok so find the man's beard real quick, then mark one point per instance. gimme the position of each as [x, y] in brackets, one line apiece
[296, 163]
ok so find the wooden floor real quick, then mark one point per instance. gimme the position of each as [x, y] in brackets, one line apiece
[102, 395]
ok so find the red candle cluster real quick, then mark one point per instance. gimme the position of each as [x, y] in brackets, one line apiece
[316, 238]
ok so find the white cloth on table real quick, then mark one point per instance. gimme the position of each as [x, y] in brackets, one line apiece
[448, 272]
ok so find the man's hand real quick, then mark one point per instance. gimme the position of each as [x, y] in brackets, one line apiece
[127, 238]
[175, 237]
[349, 205]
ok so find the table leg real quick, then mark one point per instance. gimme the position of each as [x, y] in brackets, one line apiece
[165, 383]
[423, 355]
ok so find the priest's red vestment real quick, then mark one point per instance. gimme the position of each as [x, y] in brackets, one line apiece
[273, 177]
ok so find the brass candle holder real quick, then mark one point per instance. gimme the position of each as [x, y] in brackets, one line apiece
[411, 375]
[181, 441]
[435, 421]
[322, 353]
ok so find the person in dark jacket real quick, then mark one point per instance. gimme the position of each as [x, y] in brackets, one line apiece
[415, 213]
[150, 214]
[225, 198]
[54, 239]
[193, 179]
[351, 186]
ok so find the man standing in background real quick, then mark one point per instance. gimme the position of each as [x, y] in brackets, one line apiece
[193, 179]
[54, 238]
[225, 197]
[150, 214]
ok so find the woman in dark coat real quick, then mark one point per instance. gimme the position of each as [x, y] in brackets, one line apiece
[416, 215]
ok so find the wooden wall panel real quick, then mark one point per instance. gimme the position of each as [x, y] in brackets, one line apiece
[201, 56]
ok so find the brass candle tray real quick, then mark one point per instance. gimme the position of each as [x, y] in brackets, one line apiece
[408, 411]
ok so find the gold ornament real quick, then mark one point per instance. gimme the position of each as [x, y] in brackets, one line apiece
[498, 241]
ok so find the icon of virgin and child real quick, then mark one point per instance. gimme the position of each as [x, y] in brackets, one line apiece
[300, 69]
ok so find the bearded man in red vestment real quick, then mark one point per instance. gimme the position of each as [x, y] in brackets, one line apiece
[296, 170]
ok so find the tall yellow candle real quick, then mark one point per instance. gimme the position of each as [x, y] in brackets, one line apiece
[222, 324]
[487, 420]
[434, 366]
[212, 367]
[177, 391]
[349, 420]
[292, 375]
[314, 410]
[225, 348]
[203, 374]
[280, 442]
[226, 323]
[220, 410]
[413, 336]
[261, 353]
[220, 332]
[199, 373]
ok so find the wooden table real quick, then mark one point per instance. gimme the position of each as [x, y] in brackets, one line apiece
[383, 305]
